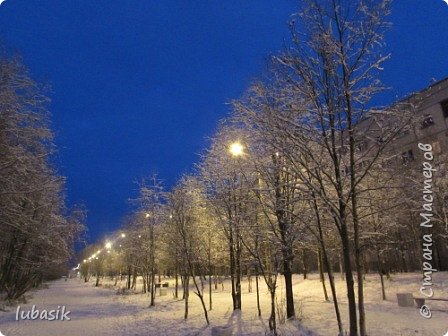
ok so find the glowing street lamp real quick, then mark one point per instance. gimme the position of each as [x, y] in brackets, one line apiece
[236, 149]
[123, 235]
[147, 215]
[108, 245]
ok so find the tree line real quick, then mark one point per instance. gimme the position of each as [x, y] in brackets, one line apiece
[302, 176]
[38, 232]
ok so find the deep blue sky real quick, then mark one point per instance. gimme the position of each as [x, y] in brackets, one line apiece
[138, 85]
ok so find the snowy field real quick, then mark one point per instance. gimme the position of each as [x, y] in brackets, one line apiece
[100, 311]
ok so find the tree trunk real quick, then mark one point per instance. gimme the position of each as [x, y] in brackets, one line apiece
[144, 283]
[238, 273]
[129, 278]
[272, 319]
[327, 266]
[153, 288]
[360, 277]
[359, 264]
[176, 287]
[381, 273]
[349, 279]
[186, 294]
[210, 291]
[199, 292]
[290, 311]
[134, 279]
[321, 273]
[341, 266]
[232, 268]
[304, 265]
[258, 292]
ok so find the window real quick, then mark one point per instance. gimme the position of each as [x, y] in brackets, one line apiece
[347, 170]
[387, 163]
[427, 121]
[403, 133]
[407, 156]
[343, 150]
[379, 140]
[444, 105]
[361, 146]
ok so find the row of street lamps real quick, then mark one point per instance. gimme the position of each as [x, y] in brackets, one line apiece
[107, 246]
[236, 149]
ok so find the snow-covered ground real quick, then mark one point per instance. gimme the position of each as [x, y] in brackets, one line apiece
[100, 311]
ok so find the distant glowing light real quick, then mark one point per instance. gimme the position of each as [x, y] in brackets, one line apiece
[123, 235]
[108, 245]
[236, 149]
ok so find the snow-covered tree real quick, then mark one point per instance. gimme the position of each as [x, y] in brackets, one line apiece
[38, 231]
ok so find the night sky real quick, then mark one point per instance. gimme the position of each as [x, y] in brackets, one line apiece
[137, 86]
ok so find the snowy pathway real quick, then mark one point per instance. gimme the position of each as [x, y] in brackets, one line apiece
[100, 311]
[93, 311]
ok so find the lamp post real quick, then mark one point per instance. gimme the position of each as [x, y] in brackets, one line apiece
[236, 150]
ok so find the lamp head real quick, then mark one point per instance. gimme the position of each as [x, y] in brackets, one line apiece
[236, 149]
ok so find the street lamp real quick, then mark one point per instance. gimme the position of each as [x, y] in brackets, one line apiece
[108, 245]
[123, 235]
[236, 149]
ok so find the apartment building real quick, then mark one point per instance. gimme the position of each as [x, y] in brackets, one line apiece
[430, 106]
